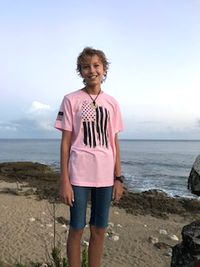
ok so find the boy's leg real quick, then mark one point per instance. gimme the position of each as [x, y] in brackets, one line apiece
[74, 247]
[77, 224]
[95, 250]
[100, 201]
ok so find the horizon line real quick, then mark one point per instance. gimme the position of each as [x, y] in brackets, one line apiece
[121, 139]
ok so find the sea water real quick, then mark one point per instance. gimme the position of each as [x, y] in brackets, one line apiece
[146, 164]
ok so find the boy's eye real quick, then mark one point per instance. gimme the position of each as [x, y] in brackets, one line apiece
[85, 66]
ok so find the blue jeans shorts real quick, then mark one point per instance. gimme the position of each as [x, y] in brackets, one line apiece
[100, 203]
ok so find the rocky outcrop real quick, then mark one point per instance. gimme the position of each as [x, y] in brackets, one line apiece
[45, 183]
[194, 178]
[187, 253]
[42, 178]
[159, 204]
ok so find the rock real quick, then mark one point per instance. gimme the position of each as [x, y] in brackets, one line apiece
[187, 253]
[39, 176]
[181, 257]
[85, 243]
[158, 204]
[115, 237]
[62, 220]
[174, 237]
[163, 232]
[153, 240]
[162, 245]
[191, 237]
[196, 164]
[194, 177]
[32, 219]
[168, 253]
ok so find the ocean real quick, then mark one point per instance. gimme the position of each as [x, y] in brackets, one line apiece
[146, 164]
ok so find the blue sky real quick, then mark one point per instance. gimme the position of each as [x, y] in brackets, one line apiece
[153, 47]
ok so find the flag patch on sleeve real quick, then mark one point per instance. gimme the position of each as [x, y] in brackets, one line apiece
[60, 116]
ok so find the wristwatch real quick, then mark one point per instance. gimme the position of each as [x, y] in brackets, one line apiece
[119, 178]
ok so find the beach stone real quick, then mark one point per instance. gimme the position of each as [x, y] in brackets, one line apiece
[163, 232]
[194, 177]
[32, 219]
[187, 253]
[116, 212]
[85, 243]
[111, 224]
[168, 253]
[153, 240]
[173, 237]
[115, 237]
[162, 245]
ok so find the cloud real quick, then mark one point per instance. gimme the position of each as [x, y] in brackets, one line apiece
[161, 129]
[8, 126]
[38, 108]
[38, 121]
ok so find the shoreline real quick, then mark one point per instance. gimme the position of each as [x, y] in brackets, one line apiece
[26, 194]
[44, 181]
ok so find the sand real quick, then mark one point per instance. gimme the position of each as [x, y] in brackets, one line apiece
[26, 233]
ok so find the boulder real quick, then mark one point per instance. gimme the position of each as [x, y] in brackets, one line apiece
[194, 177]
[187, 253]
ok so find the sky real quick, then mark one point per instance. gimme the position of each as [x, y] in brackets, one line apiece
[153, 50]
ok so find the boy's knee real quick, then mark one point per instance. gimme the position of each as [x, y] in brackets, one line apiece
[97, 232]
[75, 233]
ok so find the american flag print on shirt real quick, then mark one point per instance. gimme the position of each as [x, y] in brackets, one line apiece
[95, 125]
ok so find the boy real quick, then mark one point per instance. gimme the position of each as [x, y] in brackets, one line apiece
[90, 156]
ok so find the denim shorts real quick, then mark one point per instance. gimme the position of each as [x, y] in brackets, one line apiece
[100, 203]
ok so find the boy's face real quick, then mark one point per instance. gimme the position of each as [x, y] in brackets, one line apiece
[92, 71]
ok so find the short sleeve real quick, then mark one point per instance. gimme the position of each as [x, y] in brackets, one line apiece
[118, 123]
[64, 118]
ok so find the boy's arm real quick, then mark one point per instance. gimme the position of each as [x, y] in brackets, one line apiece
[118, 186]
[66, 192]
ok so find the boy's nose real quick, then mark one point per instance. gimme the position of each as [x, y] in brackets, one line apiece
[92, 69]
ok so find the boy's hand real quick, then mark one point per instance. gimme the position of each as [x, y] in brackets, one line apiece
[66, 193]
[118, 190]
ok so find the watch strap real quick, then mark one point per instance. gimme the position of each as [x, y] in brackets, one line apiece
[119, 178]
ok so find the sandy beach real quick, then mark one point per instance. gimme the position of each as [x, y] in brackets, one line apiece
[27, 230]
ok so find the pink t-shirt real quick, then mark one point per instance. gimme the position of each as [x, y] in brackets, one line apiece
[92, 153]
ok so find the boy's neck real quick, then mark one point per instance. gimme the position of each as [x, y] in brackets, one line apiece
[93, 90]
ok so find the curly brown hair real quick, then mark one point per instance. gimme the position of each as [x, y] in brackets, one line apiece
[89, 51]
